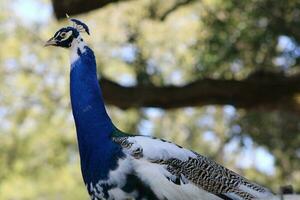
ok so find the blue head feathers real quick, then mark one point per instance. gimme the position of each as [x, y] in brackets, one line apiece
[64, 36]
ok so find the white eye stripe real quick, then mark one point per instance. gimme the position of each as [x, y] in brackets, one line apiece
[66, 35]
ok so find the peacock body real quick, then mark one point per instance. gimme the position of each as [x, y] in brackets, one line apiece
[119, 166]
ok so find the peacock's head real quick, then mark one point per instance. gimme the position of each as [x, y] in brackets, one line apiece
[65, 36]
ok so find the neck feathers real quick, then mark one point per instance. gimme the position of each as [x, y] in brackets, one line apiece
[77, 48]
[93, 125]
[86, 96]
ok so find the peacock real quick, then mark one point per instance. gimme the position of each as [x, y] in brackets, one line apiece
[118, 166]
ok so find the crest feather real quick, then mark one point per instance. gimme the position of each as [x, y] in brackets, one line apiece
[79, 25]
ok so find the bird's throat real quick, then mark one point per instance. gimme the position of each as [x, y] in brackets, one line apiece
[93, 125]
[88, 108]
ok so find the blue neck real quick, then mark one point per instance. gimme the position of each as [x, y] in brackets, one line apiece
[86, 97]
[93, 125]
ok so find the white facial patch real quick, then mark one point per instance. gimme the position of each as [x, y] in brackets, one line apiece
[77, 45]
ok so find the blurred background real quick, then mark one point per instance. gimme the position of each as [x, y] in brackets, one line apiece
[234, 67]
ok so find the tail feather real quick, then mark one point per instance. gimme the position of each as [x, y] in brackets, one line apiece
[227, 197]
[247, 191]
[257, 191]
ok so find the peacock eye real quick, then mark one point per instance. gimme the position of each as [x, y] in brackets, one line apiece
[63, 34]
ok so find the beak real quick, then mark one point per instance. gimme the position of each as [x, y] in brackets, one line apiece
[50, 42]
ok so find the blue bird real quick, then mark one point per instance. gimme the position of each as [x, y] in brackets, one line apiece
[118, 166]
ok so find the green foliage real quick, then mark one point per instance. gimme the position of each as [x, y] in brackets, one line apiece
[228, 39]
[279, 132]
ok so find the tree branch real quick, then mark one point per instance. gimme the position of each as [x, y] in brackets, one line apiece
[173, 8]
[252, 93]
[73, 7]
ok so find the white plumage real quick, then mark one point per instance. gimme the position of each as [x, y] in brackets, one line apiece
[149, 159]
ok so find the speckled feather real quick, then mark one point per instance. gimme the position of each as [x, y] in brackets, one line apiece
[202, 172]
